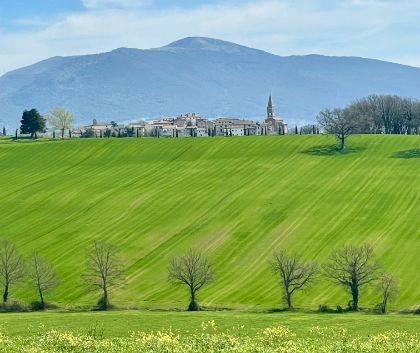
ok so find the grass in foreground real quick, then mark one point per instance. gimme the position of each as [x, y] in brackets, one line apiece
[121, 323]
[208, 337]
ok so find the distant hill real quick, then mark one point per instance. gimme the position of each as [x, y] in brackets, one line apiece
[237, 199]
[203, 75]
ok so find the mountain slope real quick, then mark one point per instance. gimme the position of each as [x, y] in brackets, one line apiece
[208, 76]
[238, 199]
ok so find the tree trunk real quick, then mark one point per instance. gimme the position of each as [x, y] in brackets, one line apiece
[384, 305]
[355, 295]
[41, 297]
[193, 306]
[289, 301]
[6, 294]
[62, 134]
[105, 304]
[342, 142]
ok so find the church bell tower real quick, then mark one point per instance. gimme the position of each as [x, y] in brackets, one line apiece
[271, 113]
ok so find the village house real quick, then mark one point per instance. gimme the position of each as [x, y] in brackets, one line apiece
[191, 125]
[102, 129]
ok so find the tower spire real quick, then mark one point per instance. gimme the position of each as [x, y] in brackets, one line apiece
[270, 109]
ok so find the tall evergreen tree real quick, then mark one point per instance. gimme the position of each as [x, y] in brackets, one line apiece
[32, 122]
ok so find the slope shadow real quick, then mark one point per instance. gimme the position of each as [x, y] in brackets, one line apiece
[331, 150]
[415, 153]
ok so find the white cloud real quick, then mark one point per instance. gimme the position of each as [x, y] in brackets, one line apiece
[371, 28]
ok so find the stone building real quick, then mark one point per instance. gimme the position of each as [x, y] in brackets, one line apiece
[193, 125]
[276, 125]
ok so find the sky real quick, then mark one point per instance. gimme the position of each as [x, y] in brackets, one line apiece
[33, 30]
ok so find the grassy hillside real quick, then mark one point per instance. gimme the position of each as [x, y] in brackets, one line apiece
[237, 198]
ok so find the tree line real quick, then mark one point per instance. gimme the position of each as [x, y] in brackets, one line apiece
[374, 114]
[352, 267]
[386, 114]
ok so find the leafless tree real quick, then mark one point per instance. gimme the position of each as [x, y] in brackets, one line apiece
[294, 274]
[389, 114]
[193, 270]
[388, 287]
[12, 267]
[353, 267]
[43, 276]
[103, 271]
[338, 122]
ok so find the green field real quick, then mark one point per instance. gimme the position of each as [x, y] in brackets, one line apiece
[238, 199]
[122, 323]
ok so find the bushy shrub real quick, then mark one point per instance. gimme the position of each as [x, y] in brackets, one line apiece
[14, 306]
[194, 306]
[89, 133]
[323, 308]
[37, 306]
[339, 309]
[102, 304]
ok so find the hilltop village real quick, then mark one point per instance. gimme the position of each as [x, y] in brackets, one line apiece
[189, 125]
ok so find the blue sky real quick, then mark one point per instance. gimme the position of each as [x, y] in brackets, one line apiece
[32, 30]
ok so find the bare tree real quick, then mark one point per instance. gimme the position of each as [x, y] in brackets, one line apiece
[338, 122]
[388, 287]
[103, 271]
[294, 274]
[60, 119]
[353, 267]
[387, 114]
[12, 267]
[43, 276]
[193, 270]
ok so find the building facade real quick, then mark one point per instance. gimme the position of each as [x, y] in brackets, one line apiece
[193, 125]
[276, 125]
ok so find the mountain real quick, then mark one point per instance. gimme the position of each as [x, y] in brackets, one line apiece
[207, 76]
